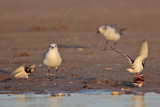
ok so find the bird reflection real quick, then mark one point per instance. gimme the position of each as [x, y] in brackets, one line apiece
[25, 97]
[56, 101]
[139, 99]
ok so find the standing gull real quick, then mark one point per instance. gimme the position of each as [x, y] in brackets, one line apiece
[137, 65]
[111, 33]
[52, 58]
[23, 72]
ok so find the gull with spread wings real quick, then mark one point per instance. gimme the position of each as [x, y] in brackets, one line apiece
[137, 65]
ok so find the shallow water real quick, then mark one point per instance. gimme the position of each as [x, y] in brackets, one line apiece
[80, 99]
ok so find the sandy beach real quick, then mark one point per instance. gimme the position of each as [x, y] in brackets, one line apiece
[27, 28]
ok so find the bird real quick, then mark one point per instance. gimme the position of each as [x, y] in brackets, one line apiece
[138, 81]
[52, 58]
[138, 84]
[138, 64]
[111, 33]
[23, 72]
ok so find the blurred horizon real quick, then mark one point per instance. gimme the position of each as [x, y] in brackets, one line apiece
[77, 15]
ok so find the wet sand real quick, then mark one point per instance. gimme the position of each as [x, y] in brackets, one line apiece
[28, 28]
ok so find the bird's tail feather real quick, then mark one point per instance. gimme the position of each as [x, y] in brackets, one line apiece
[123, 29]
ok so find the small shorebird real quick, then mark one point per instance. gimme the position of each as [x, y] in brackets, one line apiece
[111, 33]
[23, 72]
[137, 65]
[52, 58]
[138, 81]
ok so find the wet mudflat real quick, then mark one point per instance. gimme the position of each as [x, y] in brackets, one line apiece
[81, 99]
[27, 30]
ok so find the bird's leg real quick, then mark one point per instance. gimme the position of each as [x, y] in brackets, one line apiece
[56, 72]
[17, 80]
[49, 73]
[105, 48]
[139, 76]
[56, 69]
[30, 80]
[115, 44]
[135, 76]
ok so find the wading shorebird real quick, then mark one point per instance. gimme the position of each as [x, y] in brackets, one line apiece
[52, 58]
[23, 72]
[111, 33]
[137, 65]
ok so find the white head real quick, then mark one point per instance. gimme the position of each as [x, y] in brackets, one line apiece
[102, 29]
[53, 46]
[33, 67]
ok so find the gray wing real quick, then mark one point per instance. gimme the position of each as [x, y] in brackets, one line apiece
[117, 29]
[114, 25]
[143, 53]
[44, 55]
[124, 55]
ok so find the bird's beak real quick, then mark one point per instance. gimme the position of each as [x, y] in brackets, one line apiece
[98, 31]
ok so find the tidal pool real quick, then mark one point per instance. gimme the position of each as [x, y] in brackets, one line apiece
[80, 99]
